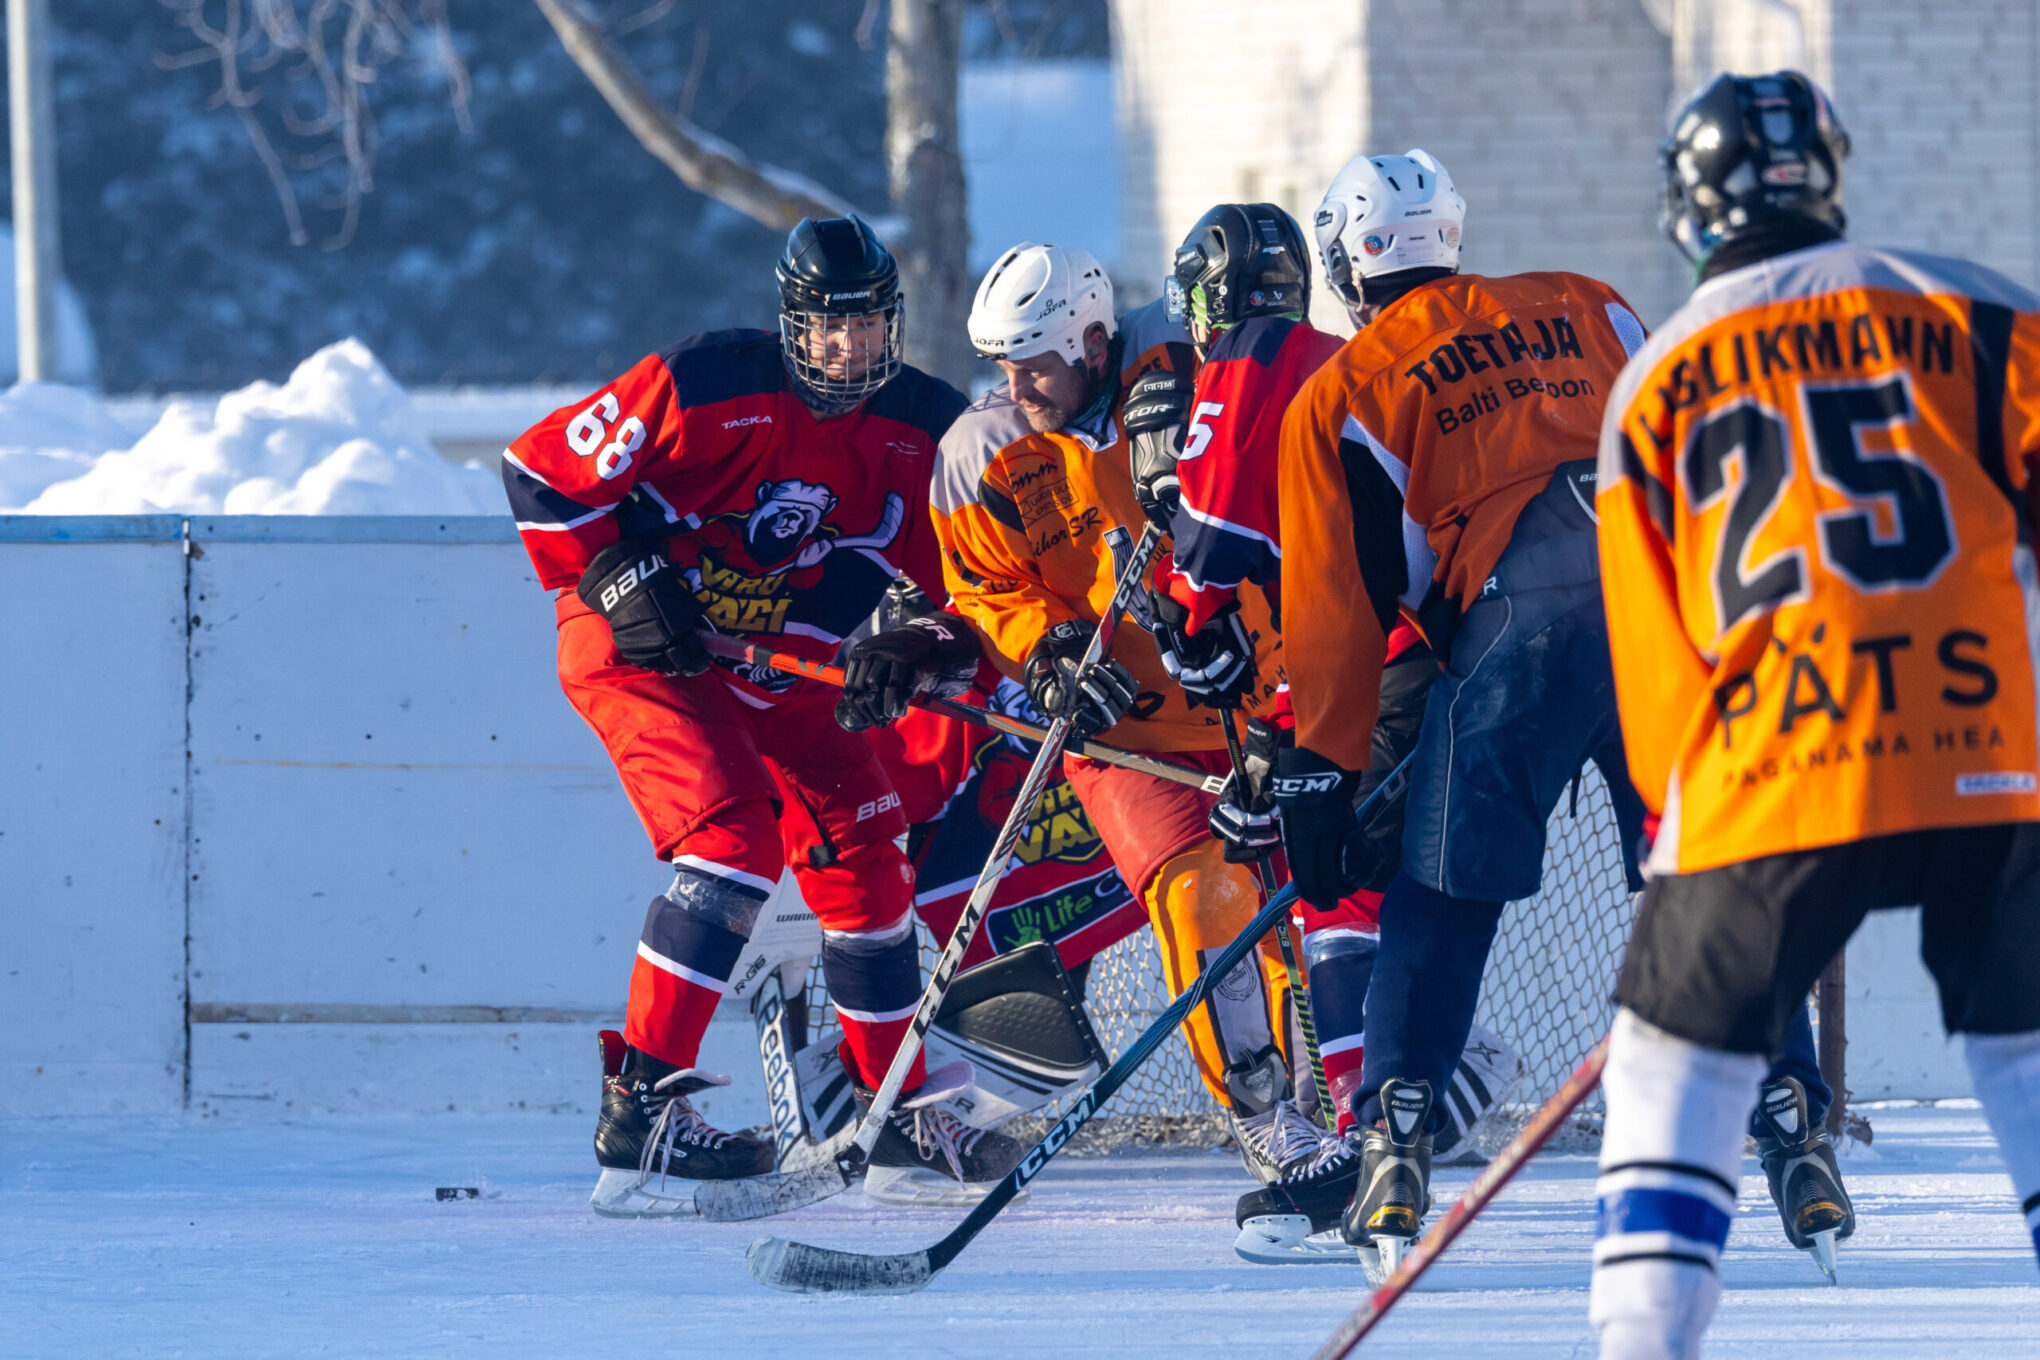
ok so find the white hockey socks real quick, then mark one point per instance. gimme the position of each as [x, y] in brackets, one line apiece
[1670, 1158]
[2006, 1071]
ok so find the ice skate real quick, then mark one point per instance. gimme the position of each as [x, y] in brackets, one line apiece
[1295, 1220]
[1280, 1139]
[1393, 1192]
[1806, 1183]
[927, 1157]
[651, 1143]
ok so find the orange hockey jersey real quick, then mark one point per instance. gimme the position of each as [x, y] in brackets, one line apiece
[1815, 546]
[1021, 519]
[1406, 460]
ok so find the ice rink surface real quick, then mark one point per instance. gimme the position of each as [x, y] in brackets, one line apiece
[238, 1238]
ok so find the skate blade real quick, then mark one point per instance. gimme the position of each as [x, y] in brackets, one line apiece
[1389, 1252]
[1821, 1246]
[618, 1194]
[915, 1188]
[1286, 1240]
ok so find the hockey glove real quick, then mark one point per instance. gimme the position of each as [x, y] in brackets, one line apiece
[1156, 408]
[1248, 825]
[934, 654]
[1316, 800]
[1215, 665]
[1095, 699]
[650, 608]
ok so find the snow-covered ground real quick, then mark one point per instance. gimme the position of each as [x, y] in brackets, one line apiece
[340, 437]
[245, 1238]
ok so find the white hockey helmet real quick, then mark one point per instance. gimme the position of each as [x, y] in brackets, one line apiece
[1040, 300]
[1388, 213]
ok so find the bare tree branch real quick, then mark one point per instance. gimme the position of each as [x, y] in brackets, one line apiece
[339, 47]
[705, 163]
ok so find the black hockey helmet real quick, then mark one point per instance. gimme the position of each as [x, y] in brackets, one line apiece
[834, 269]
[1749, 153]
[1240, 260]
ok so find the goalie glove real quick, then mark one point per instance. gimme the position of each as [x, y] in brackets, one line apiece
[1094, 699]
[935, 654]
[651, 610]
[1156, 408]
[1247, 823]
[1214, 665]
[1318, 826]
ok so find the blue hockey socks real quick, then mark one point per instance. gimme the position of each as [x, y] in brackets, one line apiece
[1670, 1157]
[1426, 983]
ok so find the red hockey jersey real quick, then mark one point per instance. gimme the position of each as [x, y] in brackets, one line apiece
[786, 525]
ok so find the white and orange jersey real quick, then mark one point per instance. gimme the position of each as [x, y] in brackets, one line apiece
[1815, 506]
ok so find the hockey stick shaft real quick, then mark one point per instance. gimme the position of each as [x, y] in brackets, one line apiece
[1299, 990]
[800, 1268]
[1478, 1196]
[1047, 764]
[736, 648]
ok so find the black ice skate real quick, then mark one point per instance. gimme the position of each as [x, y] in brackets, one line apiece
[1295, 1220]
[926, 1155]
[651, 1143]
[1806, 1184]
[1394, 1190]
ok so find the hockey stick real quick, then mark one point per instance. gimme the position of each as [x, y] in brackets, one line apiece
[1047, 764]
[736, 649]
[1485, 1187]
[1264, 874]
[801, 1269]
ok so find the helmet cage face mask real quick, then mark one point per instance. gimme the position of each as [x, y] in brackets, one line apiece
[804, 338]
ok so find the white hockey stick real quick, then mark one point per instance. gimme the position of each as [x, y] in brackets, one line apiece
[1039, 774]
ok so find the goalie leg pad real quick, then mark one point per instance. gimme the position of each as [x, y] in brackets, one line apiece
[1670, 1157]
[1018, 1020]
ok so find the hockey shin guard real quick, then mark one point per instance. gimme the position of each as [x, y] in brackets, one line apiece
[1340, 960]
[874, 978]
[693, 934]
[1670, 1156]
[1425, 986]
[1198, 903]
[2006, 1071]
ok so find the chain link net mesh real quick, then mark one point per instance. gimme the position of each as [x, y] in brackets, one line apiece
[1546, 991]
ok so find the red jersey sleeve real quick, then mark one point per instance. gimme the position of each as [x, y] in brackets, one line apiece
[566, 475]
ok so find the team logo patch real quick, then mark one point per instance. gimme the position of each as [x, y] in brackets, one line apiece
[2006, 781]
[1374, 245]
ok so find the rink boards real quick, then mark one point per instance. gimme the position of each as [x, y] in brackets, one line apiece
[294, 815]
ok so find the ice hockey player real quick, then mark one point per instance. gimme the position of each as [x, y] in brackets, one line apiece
[1440, 466]
[1033, 477]
[1204, 467]
[1816, 507]
[769, 484]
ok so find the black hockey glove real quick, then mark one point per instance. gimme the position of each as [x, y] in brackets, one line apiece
[1249, 826]
[1316, 799]
[935, 654]
[1096, 699]
[1215, 666]
[651, 610]
[1155, 411]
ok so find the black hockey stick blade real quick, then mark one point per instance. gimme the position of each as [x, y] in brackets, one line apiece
[802, 1269]
[799, 1268]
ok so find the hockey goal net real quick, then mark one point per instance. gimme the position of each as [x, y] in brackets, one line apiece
[1546, 992]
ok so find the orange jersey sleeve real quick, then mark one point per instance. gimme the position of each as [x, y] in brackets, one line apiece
[1814, 497]
[1407, 459]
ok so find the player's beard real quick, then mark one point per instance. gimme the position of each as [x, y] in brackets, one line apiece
[1051, 417]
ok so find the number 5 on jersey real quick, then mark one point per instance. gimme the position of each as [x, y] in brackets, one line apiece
[1854, 545]
[588, 431]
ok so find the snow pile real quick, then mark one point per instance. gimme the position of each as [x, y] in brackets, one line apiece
[340, 438]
